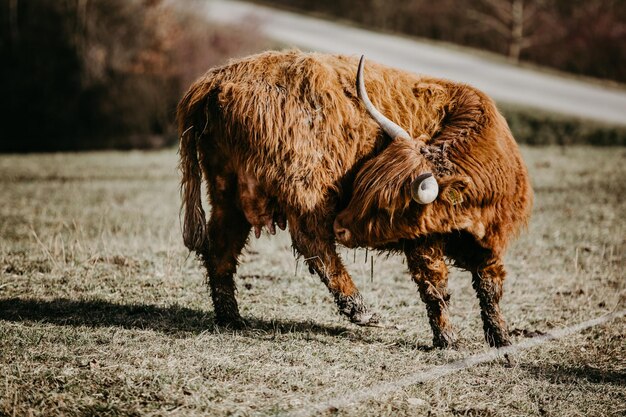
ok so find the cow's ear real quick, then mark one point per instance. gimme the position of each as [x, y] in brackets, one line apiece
[454, 188]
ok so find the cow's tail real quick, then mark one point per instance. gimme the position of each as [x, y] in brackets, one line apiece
[194, 226]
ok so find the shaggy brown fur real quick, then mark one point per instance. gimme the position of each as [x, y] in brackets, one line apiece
[283, 135]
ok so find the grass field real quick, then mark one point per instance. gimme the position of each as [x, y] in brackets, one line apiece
[103, 312]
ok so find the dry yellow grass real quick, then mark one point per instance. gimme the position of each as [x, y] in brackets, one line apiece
[103, 312]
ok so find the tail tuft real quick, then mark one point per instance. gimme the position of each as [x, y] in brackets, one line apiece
[194, 221]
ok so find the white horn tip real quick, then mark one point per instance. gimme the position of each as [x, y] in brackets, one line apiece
[425, 189]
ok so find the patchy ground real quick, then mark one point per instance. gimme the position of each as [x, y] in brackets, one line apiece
[103, 312]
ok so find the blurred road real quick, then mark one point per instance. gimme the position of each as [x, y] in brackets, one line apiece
[502, 81]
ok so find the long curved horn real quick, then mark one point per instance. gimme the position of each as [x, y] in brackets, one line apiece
[389, 127]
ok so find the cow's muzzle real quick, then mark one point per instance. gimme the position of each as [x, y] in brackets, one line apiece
[342, 234]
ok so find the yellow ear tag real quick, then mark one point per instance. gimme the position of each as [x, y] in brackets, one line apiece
[454, 196]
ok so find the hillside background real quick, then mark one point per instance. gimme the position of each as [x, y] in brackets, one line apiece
[581, 37]
[93, 74]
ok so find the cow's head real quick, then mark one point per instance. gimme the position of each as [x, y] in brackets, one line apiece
[392, 191]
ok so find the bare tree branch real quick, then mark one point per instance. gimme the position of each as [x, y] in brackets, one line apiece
[491, 22]
[502, 8]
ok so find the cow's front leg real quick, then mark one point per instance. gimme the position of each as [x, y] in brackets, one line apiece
[428, 269]
[316, 243]
[487, 280]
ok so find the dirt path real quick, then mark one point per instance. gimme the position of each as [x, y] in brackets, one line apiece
[503, 81]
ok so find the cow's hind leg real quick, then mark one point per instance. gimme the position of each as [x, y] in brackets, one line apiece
[228, 232]
[425, 259]
[315, 241]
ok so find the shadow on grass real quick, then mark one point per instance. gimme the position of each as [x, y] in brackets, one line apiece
[561, 374]
[172, 320]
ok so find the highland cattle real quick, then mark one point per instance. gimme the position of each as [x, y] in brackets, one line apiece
[426, 167]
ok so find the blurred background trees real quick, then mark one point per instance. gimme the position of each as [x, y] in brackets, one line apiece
[87, 74]
[586, 37]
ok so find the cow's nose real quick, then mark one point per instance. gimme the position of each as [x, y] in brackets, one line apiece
[341, 233]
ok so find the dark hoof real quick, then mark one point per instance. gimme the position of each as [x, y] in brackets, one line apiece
[445, 340]
[366, 319]
[354, 308]
[233, 323]
[497, 339]
[500, 343]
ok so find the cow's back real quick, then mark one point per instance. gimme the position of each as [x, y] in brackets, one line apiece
[295, 121]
